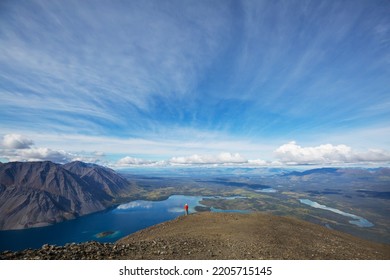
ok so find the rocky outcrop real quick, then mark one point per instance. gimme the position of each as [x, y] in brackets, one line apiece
[83, 251]
[34, 194]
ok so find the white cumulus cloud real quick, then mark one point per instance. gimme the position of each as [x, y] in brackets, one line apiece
[37, 154]
[292, 153]
[130, 161]
[222, 158]
[16, 141]
[16, 147]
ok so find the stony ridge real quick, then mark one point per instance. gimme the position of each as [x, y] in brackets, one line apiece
[221, 236]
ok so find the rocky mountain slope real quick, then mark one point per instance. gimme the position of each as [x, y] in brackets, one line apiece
[34, 194]
[210, 235]
[251, 236]
[100, 177]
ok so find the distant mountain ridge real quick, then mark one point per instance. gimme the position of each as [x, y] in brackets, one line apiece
[34, 194]
[385, 171]
[325, 170]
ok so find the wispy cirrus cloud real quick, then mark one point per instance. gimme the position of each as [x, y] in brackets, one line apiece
[103, 70]
[171, 79]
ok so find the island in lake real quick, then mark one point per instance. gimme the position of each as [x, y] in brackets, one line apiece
[105, 234]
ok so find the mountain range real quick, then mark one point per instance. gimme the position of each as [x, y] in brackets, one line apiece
[34, 194]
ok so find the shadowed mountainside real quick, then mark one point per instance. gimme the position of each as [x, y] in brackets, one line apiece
[100, 177]
[34, 194]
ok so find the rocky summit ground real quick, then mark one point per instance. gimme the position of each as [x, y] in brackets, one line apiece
[221, 236]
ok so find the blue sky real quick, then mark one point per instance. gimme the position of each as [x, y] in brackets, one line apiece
[195, 82]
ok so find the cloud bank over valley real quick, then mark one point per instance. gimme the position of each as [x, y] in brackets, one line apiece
[15, 147]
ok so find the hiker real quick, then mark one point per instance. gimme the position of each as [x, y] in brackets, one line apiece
[186, 208]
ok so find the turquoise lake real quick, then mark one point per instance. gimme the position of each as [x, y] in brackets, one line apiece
[356, 220]
[116, 223]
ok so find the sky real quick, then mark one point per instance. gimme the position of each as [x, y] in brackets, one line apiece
[161, 83]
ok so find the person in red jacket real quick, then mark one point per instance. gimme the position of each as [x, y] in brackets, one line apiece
[186, 208]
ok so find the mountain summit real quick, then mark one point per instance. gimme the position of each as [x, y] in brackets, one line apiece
[209, 235]
[103, 178]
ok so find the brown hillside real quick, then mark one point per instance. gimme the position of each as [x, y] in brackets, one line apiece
[247, 236]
